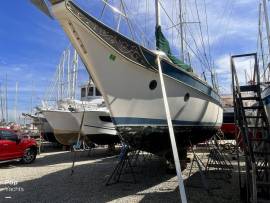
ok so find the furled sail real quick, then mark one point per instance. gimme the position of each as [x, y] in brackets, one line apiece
[163, 45]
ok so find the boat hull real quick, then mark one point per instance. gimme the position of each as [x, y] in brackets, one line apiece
[131, 88]
[67, 124]
[44, 128]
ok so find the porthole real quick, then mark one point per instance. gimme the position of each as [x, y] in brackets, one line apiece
[153, 84]
[186, 98]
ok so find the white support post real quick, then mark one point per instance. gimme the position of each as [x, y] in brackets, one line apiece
[172, 137]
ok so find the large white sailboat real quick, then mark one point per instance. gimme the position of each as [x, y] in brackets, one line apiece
[127, 75]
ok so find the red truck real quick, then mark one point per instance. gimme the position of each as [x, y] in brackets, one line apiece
[15, 147]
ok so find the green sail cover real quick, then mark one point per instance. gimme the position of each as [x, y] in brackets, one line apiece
[163, 45]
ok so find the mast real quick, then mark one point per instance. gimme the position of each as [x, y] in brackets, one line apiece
[6, 100]
[182, 57]
[32, 94]
[266, 22]
[15, 103]
[157, 6]
[74, 76]
[261, 39]
[68, 73]
[1, 104]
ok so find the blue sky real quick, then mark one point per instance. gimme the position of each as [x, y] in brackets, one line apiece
[31, 43]
[30, 49]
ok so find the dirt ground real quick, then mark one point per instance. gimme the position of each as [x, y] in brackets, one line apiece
[49, 179]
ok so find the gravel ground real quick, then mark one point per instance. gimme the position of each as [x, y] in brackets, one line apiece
[49, 179]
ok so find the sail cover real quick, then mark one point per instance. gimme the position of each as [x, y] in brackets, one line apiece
[163, 45]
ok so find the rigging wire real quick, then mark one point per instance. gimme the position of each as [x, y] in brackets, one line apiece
[189, 46]
[207, 33]
[206, 64]
[201, 36]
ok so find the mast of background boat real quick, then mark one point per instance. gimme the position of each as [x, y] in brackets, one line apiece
[6, 101]
[261, 39]
[169, 119]
[15, 102]
[1, 104]
[265, 11]
[68, 74]
[74, 75]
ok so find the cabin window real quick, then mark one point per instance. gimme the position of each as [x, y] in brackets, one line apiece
[90, 91]
[98, 92]
[106, 119]
[83, 92]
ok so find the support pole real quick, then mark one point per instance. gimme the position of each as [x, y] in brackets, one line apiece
[172, 137]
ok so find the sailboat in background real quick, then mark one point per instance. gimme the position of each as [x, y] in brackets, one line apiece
[127, 75]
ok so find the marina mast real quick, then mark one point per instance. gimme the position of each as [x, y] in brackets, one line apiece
[266, 22]
[6, 101]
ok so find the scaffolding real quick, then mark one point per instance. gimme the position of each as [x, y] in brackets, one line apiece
[250, 117]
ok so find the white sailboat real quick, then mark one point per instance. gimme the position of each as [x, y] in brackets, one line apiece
[126, 73]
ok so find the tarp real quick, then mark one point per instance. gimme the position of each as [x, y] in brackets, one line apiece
[163, 45]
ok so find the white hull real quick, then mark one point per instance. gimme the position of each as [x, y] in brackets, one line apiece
[66, 125]
[125, 84]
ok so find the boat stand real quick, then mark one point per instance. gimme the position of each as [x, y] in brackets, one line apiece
[125, 162]
[217, 159]
[200, 166]
[81, 146]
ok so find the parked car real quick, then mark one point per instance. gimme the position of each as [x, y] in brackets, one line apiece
[15, 147]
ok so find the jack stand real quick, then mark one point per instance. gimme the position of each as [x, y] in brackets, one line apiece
[199, 165]
[124, 163]
[77, 148]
